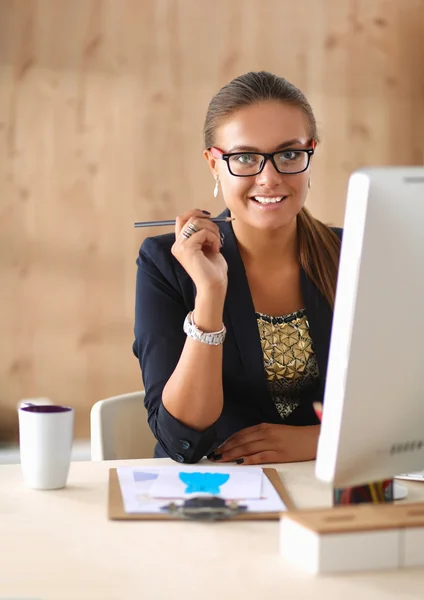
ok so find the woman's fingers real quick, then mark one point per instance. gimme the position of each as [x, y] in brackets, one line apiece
[243, 450]
[181, 220]
[204, 239]
[261, 458]
[189, 230]
[244, 436]
[197, 248]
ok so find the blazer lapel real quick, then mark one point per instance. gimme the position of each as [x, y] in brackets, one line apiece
[239, 309]
[239, 315]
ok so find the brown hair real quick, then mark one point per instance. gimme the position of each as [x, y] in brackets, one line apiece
[319, 246]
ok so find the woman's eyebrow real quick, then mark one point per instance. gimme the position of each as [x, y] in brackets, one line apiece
[286, 144]
[292, 142]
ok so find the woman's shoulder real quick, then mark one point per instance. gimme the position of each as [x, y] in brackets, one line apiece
[159, 244]
[155, 253]
[156, 260]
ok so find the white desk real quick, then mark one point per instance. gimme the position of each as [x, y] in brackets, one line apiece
[59, 545]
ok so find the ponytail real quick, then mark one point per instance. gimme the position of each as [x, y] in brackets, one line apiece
[319, 253]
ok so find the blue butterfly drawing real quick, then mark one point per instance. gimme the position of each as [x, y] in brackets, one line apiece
[203, 482]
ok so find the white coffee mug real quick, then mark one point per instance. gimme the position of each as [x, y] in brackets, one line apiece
[45, 441]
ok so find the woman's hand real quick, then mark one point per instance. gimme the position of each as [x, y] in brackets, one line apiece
[267, 443]
[200, 253]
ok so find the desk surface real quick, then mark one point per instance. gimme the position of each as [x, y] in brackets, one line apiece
[59, 545]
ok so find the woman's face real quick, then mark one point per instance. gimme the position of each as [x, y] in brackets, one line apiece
[264, 127]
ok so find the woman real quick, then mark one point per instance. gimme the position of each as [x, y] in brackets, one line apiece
[264, 282]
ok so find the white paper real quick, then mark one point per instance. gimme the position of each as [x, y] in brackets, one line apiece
[136, 487]
[135, 490]
[270, 500]
[229, 483]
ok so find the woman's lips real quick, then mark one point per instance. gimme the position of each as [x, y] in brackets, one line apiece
[271, 204]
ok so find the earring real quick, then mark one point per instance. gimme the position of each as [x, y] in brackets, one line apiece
[309, 183]
[216, 188]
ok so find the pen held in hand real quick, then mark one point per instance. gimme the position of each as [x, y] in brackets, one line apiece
[170, 223]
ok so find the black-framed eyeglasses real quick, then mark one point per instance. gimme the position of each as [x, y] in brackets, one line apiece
[246, 164]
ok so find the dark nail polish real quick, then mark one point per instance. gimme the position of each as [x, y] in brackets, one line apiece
[217, 457]
[210, 456]
[206, 212]
[239, 461]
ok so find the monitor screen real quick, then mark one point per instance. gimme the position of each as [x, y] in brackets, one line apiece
[373, 414]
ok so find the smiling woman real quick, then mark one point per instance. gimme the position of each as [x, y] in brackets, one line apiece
[232, 323]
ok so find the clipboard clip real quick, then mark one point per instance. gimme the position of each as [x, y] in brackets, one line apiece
[205, 508]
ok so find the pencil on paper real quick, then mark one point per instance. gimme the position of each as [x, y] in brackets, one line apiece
[165, 223]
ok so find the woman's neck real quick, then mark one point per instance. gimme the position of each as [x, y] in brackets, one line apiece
[267, 249]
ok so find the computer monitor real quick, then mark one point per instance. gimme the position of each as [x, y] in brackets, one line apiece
[373, 414]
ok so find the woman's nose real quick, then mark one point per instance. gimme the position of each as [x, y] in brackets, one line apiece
[269, 174]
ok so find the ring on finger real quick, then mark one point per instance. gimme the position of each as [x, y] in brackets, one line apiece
[189, 230]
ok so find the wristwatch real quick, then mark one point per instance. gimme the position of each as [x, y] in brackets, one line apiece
[216, 338]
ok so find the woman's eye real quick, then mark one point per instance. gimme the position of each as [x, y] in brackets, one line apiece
[246, 159]
[289, 155]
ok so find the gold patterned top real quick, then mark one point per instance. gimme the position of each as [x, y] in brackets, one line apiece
[291, 367]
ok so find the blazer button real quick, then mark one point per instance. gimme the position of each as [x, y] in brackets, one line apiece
[179, 458]
[185, 444]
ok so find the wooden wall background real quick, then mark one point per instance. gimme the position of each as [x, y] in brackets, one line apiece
[96, 94]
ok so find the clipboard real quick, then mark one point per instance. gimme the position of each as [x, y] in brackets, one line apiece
[116, 511]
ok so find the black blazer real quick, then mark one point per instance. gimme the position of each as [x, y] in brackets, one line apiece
[164, 295]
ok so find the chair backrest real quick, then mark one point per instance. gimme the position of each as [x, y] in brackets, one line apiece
[119, 428]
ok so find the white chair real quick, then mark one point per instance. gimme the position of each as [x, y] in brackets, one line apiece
[119, 428]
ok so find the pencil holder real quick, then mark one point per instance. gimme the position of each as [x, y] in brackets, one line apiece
[374, 493]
